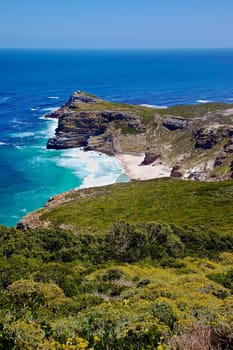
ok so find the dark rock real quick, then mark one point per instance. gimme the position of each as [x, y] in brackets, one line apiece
[175, 171]
[22, 226]
[219, 160]
[195, 176]
[174, 123]
[205, 138]
[231, 165]
[228, 147]
[150, 157]
[58, 142]
[227, 132]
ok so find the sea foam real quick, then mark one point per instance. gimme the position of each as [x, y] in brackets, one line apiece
[51, 127]
[204, 101]
[95, 169]
[23, 134]
[153, 106]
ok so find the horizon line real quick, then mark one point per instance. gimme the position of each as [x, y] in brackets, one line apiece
[116, 48]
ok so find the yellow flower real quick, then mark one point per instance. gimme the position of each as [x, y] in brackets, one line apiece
[82, 343]
[160, 347]
[96, 339]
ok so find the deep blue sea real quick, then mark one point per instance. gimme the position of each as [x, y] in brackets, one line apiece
[35, 82]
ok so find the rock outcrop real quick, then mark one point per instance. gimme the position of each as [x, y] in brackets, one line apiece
[150, 157]
[77, 129]
[206, 138]
[174, 123]
[176, 172]
[228, 147]
[79, 97]
[220, 159]
[199, 138]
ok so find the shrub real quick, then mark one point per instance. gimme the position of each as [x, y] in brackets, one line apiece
[226, 279]
[162, 311]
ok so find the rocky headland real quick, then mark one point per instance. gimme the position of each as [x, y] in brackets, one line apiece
[194, 142]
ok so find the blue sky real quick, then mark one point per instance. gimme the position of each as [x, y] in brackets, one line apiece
[116, 23]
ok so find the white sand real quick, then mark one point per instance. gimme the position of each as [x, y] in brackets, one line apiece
[135, 171]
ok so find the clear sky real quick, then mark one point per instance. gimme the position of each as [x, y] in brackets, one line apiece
[116, 23]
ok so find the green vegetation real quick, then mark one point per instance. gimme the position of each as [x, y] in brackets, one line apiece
[128, 130]
[186, 111]
[145, 112]
[195, 111]
[173, 201]
[148, 265]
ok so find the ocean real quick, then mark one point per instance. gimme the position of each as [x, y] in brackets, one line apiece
[36, 82]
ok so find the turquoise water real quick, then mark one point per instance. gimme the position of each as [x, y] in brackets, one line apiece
[34, 82]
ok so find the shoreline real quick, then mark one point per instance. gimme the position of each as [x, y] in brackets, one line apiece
[135, 171]
[130, 165]
[129, 162]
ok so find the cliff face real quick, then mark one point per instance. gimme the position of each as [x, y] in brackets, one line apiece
[82, 123]
[78, 129]
[194, 141]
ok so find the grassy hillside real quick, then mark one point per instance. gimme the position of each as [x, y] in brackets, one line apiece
[172, 201]
[148, 265]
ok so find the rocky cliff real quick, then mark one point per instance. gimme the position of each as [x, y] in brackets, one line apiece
[196, 141]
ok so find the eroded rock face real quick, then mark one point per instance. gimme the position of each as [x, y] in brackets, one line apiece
[220, 159]
[195, 176]
[228, 147]
[76, 129]
[150, 157]
[103, 143]
[206, 138]
[174, 123]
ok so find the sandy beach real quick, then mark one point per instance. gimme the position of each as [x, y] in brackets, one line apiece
[135, 171]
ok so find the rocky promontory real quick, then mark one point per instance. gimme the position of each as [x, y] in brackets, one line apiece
[199, 138]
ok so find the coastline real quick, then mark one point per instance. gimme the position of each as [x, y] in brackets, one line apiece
[100, 168]
[135, 171]
[129, 163]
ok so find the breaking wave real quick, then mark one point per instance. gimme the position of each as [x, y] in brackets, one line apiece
[153, 106]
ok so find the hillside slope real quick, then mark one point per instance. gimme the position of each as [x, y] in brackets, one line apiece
[141, 265]
[172, 201]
